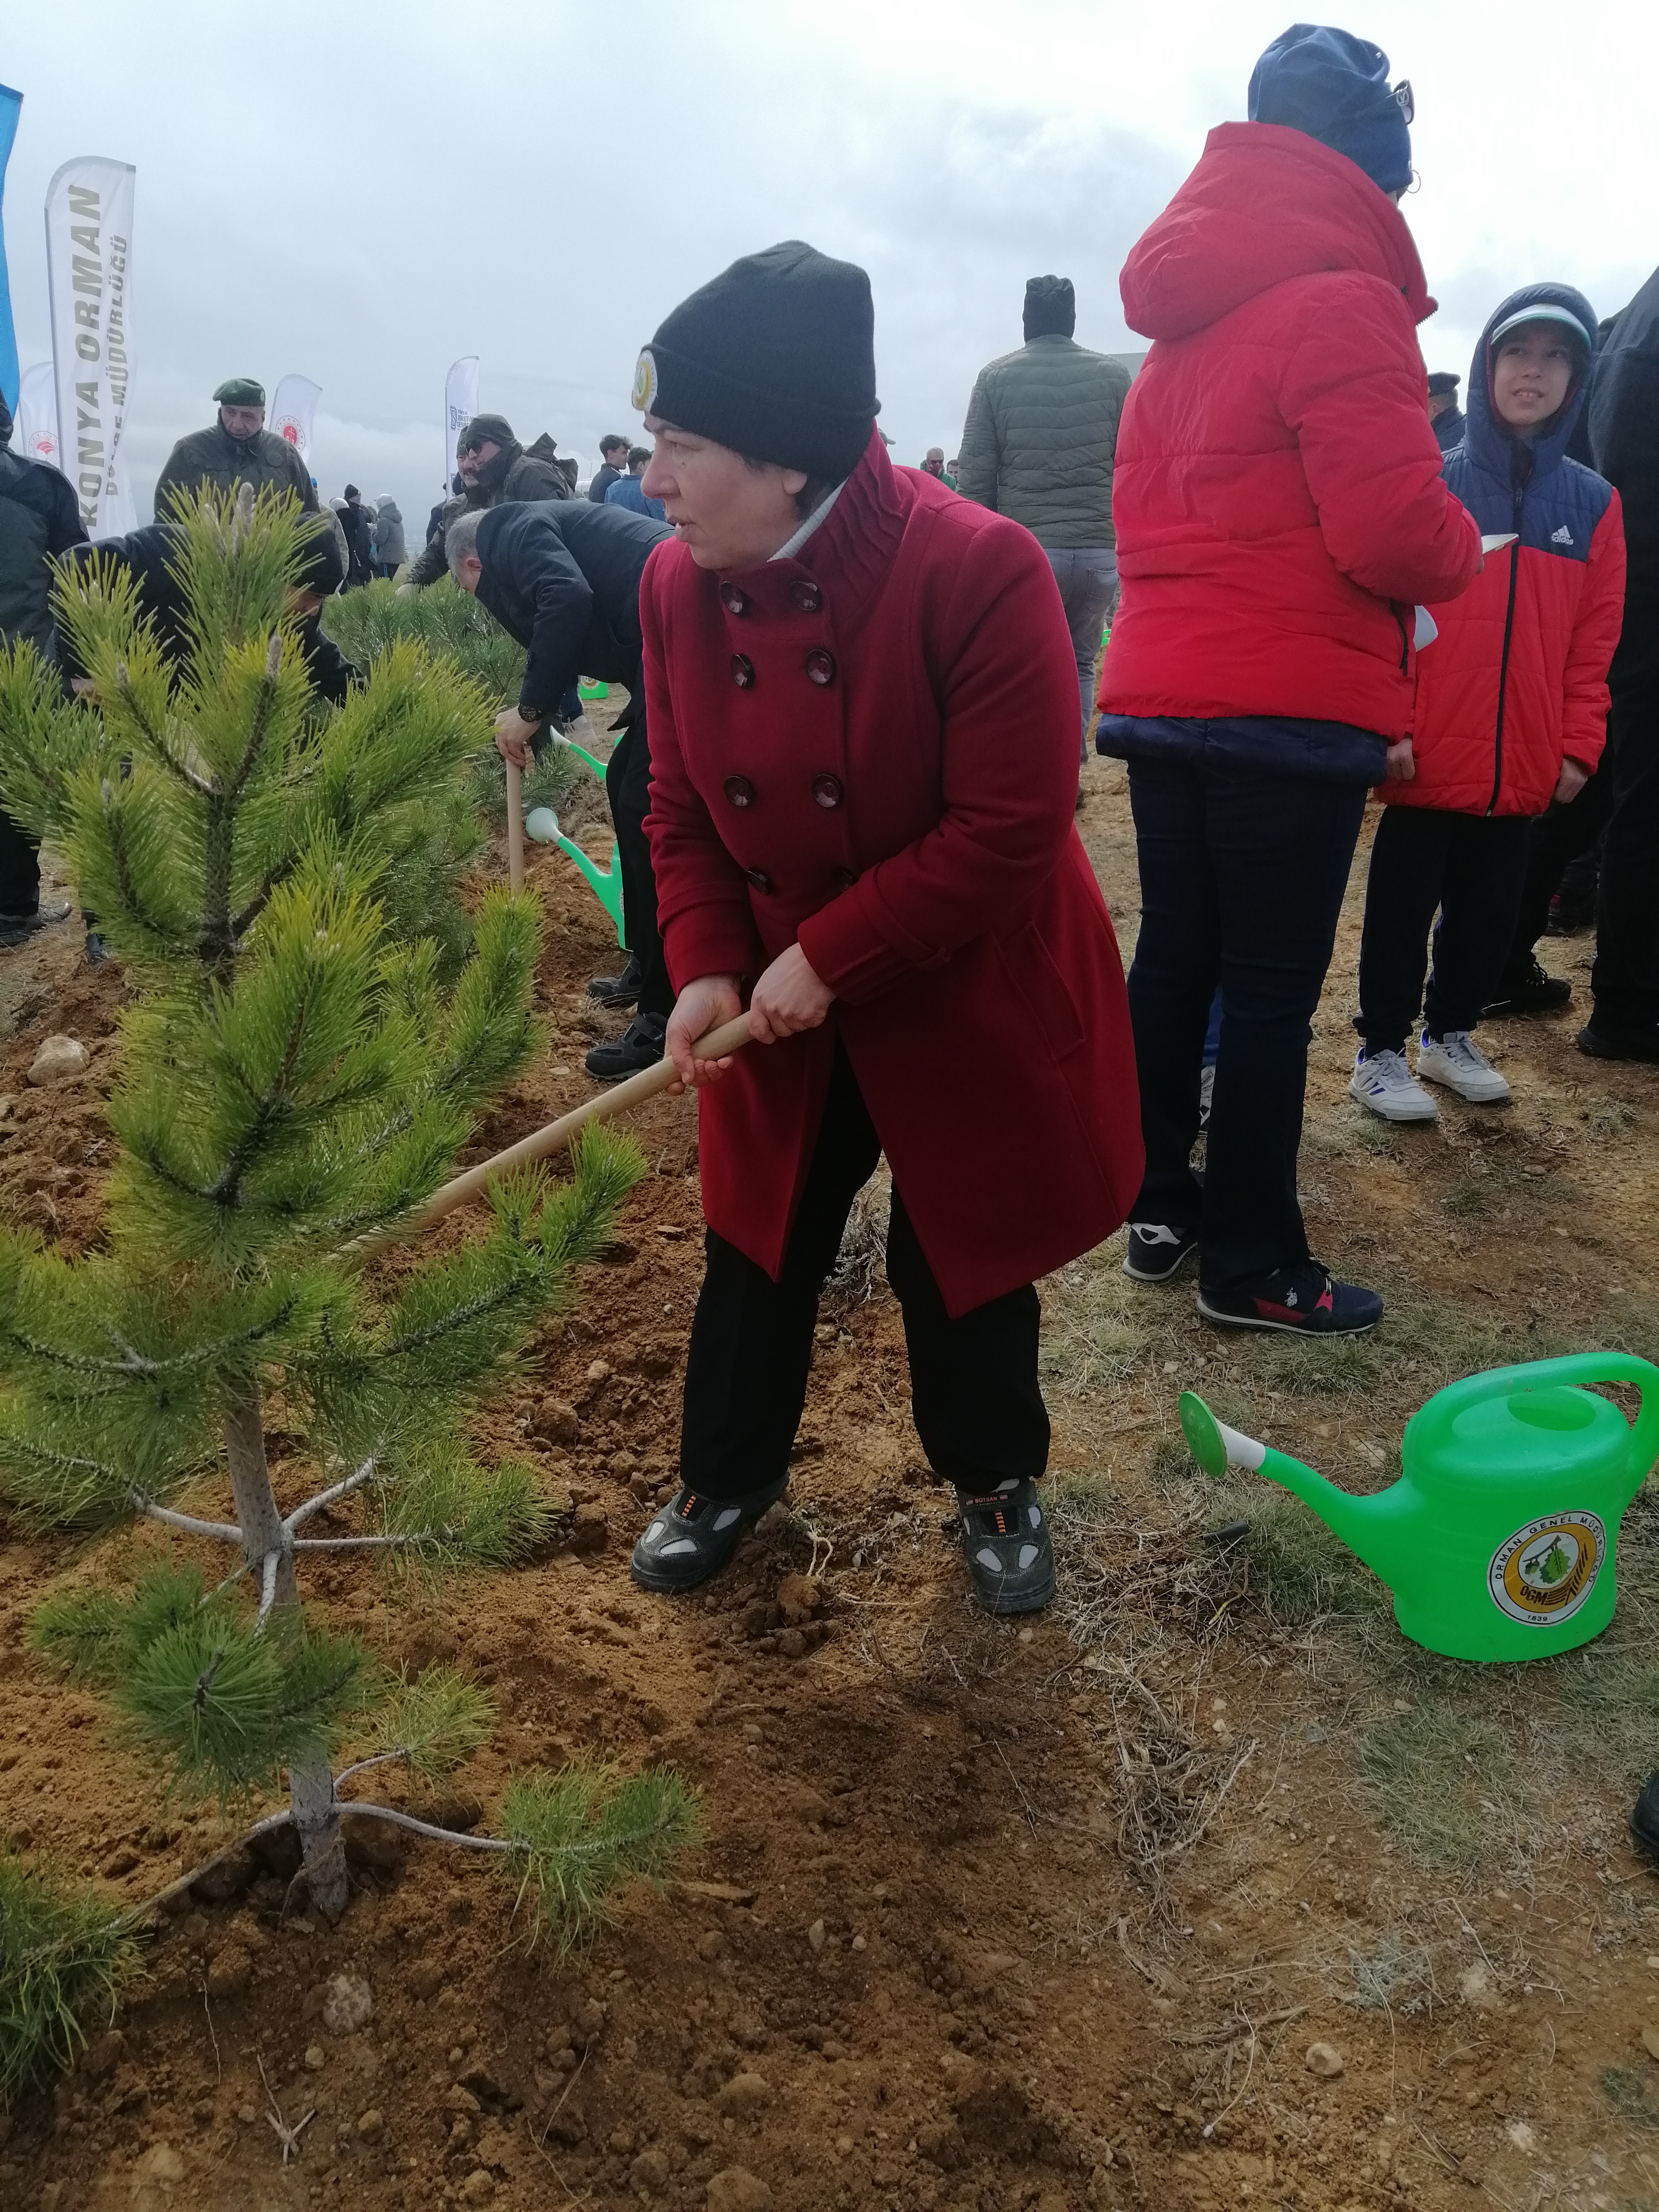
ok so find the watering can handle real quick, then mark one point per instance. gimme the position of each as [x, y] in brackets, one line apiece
[1432, 1422]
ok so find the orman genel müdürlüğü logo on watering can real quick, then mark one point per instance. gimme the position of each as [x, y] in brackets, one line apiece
[1500, 1539]
[1547, 1569]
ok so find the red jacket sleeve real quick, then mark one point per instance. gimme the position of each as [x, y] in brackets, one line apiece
[1353, 391]
[702, 896]
[1594, 634]
[1007, 684]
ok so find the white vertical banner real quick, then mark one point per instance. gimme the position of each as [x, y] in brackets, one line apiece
[36, 435]
[460, 405]
[88, 269]
[294, 411]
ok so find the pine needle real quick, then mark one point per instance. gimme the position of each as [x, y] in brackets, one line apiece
[64, 1957]
[579, 1834]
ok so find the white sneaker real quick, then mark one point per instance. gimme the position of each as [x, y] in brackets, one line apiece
[1382, 1081]
[1457, 1061]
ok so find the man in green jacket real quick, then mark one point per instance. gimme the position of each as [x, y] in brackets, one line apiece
[237, 450]
[494, 469]
[1038, 446]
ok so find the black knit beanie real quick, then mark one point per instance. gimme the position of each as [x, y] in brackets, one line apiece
[774, 357]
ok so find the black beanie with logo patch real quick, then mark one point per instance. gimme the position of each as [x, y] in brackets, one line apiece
[774, 357]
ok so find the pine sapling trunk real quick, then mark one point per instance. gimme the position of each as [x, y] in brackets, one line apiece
[310, 1779]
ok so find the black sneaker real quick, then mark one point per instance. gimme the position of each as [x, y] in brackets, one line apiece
[1005, 1534]
[18, 928]
[1528, 989]
[638, 1047]
[1644, 1820]
[692, 1537]
[622, 990]
[1302, 1301]
[1157, 1253]
[1608, 1041]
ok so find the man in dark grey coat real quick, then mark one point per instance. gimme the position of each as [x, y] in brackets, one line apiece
[1038, 446]
[237, 449]
[494, 469]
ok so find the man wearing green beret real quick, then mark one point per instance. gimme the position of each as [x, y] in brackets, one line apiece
[237, 450]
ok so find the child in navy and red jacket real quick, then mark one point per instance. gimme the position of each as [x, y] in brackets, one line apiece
[1510, 710]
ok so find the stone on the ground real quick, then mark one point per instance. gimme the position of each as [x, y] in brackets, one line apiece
[58, 1058]
[745, 2095]
[1325, 2060]
[1650, 2040]
[815, 1935]
[316, 2058]
[348, 2005]
[590, 1529]
[161, 2162]
[734, 2189]
[371, 2124]
[649, 2172]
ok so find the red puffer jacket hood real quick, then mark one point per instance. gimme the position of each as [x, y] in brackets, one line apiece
[1264, 204]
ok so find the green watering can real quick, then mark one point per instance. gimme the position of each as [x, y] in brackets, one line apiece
[543, 824]
[1497, 1541]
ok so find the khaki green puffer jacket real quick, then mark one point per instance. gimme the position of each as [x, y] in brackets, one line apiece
[1038, 443]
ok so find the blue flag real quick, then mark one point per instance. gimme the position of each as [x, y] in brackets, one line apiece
[10, 106]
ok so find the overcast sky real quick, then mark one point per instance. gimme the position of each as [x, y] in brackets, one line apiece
[363, 193]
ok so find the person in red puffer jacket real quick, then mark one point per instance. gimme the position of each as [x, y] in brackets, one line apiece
[1278, 510]
[1511, 708]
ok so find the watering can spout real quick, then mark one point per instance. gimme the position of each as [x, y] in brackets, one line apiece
[1377, 1530]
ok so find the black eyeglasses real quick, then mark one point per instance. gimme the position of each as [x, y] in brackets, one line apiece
[1403, 101]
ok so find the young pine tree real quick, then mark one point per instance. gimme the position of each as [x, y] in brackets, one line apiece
[298, 1071]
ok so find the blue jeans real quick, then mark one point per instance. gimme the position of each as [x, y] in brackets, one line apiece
[1241, 878]
[1087, 577]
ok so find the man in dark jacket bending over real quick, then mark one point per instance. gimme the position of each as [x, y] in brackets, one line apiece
[147, 556]
[563, 576]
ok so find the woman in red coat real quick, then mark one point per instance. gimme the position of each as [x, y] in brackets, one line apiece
[1278, 509]
[863, 709]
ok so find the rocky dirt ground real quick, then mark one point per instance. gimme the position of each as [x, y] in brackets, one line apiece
[1204, 1889]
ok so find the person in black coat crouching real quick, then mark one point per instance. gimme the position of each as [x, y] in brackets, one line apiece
[563, 576]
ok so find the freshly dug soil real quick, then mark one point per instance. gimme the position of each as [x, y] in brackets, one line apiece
[910, 1963]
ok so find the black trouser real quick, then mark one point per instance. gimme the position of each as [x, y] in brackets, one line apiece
[628, 787]
[973, 1391]
[1241, 878]
[1472, 866]
[1624, 979]
[19, 870]
[1561, 839]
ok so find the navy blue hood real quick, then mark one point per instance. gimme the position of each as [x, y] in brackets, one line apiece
[1490, 443]
[1334, 87]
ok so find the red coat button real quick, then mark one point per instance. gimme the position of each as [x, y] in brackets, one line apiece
[807, 597]
[735, 601]
[827, 790]
[759, 878]
[739, 791]
[821, 665]
[743, 672]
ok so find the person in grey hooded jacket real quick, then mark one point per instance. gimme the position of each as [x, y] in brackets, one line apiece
[1038, 446]
[390, 551]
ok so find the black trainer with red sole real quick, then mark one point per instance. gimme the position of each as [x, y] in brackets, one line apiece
[693, 1536]
[1011, 1557]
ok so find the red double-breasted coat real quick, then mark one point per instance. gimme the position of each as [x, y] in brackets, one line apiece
[872, 748]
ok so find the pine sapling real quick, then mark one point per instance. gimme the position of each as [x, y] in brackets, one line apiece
[301, 1066]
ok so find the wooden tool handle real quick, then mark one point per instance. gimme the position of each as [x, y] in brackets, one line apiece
[554, 1136]
[516, 825]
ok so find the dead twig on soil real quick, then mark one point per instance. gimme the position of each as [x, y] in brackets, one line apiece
[207, 2010]
[288, 2136]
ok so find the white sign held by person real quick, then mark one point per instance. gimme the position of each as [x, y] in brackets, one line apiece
[88, 269]
[36, 435]
[292, 412]
[460, 405]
